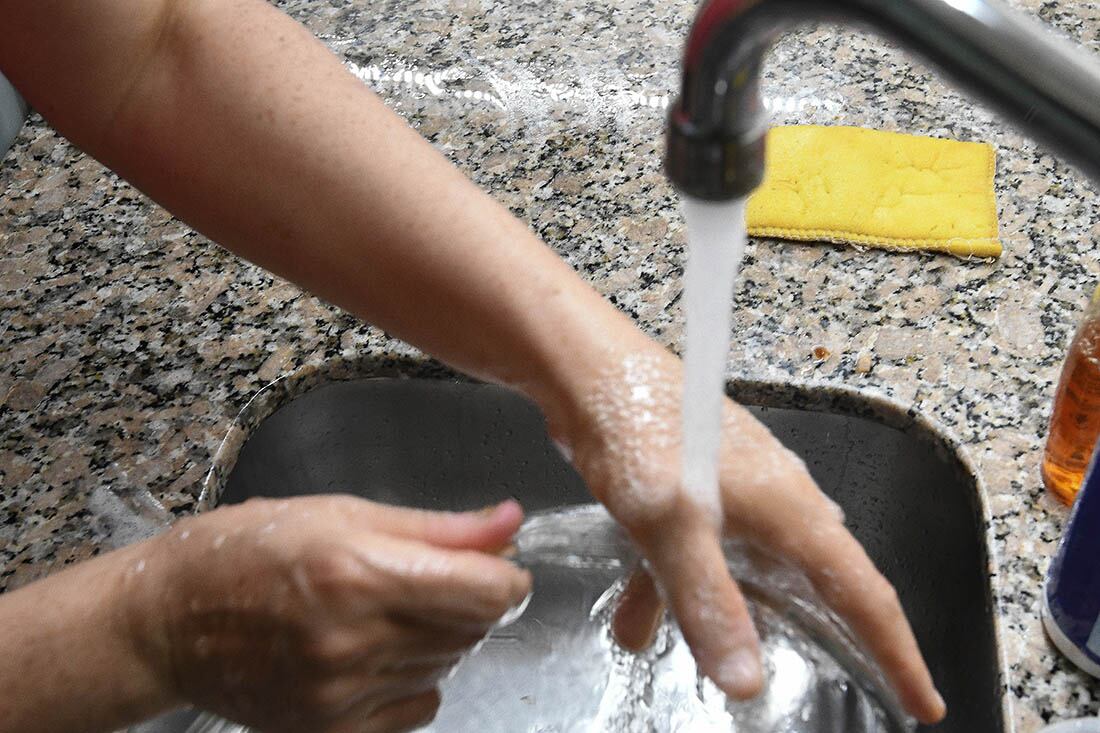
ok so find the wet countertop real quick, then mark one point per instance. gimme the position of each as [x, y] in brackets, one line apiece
[130, 342]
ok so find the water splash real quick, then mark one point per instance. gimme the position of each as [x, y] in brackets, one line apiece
[716, 245]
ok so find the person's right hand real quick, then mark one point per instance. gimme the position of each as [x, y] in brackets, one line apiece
[625, 437]
[322, 614]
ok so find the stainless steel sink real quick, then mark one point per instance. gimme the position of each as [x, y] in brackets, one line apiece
[454, 445]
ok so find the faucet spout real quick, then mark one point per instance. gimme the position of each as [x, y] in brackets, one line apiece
[717, 126]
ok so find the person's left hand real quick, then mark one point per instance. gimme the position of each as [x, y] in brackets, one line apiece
[322, 613]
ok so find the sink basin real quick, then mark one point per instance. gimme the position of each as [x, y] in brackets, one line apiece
[454, 445]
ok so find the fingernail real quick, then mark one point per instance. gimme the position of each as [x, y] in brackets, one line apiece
[521, 596]
[521, 587]
[941, 705]
[491, 509]
[740, 675]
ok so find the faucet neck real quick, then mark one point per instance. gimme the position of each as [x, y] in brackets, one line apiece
[718, 125]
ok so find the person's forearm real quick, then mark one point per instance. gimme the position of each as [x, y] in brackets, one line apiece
[248, 128]
[69, 658]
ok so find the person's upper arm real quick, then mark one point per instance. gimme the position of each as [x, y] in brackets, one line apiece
[76, 60]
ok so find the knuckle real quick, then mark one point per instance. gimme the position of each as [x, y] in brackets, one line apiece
[883, 597]
[329, 571]
[496, 595]
[663, 507]
[347, 726]
[331, 651]
[795, 463]
[325, 698]
[495, 599]
[345, 505]
[431, 706]
[778, 533]
[426, 711]
[450, 649]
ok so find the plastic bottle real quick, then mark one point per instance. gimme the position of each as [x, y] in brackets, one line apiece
[1075, 419]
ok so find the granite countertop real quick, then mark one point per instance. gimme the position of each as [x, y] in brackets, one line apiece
[130, 342]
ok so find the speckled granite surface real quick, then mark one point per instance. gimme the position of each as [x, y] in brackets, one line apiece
[130, 343]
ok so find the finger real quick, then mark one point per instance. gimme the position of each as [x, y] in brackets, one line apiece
[406, 714]
[366, 692]
[709, 607]
[846, 578]
[639, 613]
[832, 559]
[387, 644]
[487, 530]
[427, 645]
[445, 587]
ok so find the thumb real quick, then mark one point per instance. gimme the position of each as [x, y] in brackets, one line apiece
[487, 530]
[708, 605]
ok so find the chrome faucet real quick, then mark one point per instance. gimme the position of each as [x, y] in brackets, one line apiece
[717, 127]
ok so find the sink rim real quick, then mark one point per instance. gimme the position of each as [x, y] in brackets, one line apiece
[798, 394]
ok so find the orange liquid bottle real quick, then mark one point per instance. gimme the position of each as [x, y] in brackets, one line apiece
[1075, 419]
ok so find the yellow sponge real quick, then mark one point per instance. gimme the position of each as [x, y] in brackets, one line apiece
[877, 189]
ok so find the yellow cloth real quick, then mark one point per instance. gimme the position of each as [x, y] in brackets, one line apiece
[877, 189]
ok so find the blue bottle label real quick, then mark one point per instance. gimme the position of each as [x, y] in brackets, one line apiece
[1073, 581]
[1094, 639]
